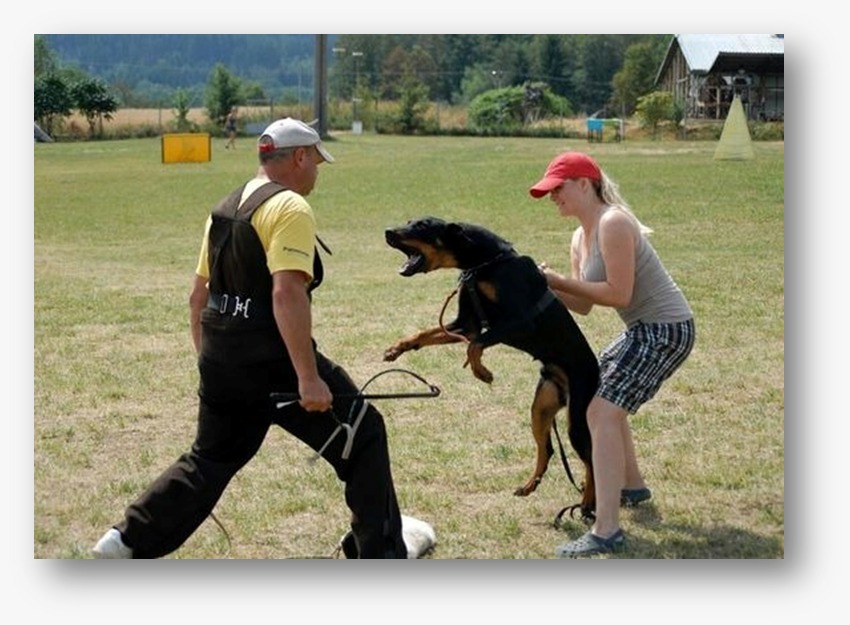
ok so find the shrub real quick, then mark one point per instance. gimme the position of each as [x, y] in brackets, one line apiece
[511, 108]
[654, 108]
[767, 131]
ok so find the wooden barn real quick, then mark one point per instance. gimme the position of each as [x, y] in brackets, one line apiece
[705, 72]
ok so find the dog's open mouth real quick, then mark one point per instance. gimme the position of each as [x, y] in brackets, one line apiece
[414, 263]
[415, 259]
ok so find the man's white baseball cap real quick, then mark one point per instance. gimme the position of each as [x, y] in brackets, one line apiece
[291, 133]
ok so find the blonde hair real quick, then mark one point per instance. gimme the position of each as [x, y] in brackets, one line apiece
[609, 192]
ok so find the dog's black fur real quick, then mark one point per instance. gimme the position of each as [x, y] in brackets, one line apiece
[504, 298]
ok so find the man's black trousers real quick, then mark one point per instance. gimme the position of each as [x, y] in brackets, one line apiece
[235, 413]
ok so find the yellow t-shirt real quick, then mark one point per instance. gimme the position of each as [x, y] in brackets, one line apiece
[287, 229]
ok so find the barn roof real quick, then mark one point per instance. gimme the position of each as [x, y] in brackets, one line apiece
[705, 53]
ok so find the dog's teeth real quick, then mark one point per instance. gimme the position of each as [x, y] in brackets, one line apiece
[409, 265]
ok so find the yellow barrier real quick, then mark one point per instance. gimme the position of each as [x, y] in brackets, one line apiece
[187, 147]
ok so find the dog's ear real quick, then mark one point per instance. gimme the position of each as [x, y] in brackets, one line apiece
[456, 233]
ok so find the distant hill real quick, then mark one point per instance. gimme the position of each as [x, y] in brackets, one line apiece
[153, 66]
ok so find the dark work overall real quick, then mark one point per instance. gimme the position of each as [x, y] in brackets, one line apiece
[243, 359]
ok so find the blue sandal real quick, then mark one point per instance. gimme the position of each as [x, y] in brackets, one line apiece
[630, 497]
[590, 544]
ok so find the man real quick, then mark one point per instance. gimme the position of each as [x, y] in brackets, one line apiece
[250, 317]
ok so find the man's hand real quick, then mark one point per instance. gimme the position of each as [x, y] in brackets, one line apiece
[315, 395]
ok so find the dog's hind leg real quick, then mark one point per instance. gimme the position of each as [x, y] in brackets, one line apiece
[548, 400]
[579, 435]
[588, 497]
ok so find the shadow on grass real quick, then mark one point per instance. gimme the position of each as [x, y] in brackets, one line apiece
[685, 541]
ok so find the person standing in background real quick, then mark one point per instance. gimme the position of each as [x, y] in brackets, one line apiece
[230, 129]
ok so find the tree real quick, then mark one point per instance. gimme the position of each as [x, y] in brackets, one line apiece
[392, 72]
[224, 91]
[476, 80]
[52, 101]
[455, 52]
[254, 92]
[654, 108]
[58, 90]
[92, 98]
[182, 105]
[401, 66]
[549, 62]
[514, 61]
[637, 75]
[601, 56]
[413, 104]
[46, 62]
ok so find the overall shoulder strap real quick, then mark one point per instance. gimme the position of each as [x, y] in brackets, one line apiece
[256, 199]
[230, 207]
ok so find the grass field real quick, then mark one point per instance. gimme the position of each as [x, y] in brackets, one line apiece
[115, 246]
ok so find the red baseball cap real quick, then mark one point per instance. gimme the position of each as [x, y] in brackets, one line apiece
[565, 166]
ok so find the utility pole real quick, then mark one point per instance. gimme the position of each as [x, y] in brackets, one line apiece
[320, 86]
[356, 125]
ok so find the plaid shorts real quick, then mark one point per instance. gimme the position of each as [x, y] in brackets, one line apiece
[632, 368]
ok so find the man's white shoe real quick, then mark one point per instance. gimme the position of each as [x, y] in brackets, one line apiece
[419, 536]
[110, 546]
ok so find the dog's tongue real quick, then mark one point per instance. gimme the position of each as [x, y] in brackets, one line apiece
[411, 265]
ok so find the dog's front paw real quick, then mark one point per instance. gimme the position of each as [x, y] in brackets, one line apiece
[473, 359]
[394, 352]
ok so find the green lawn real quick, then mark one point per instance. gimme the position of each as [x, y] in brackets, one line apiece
[116, 237]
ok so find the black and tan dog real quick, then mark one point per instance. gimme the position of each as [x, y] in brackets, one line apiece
[503, 298]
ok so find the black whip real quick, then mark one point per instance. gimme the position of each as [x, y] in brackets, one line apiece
[285, 399]
[353, 422]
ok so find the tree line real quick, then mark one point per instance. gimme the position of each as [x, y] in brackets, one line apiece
[146, 70]
[593, 72]
[58, 91]
[500, 78]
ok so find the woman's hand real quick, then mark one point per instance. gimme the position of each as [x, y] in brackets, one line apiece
[546, 271]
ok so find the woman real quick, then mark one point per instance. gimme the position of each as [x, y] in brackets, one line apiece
[613, 264]
[230, 129]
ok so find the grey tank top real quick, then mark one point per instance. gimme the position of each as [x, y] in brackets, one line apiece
[656, 297]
